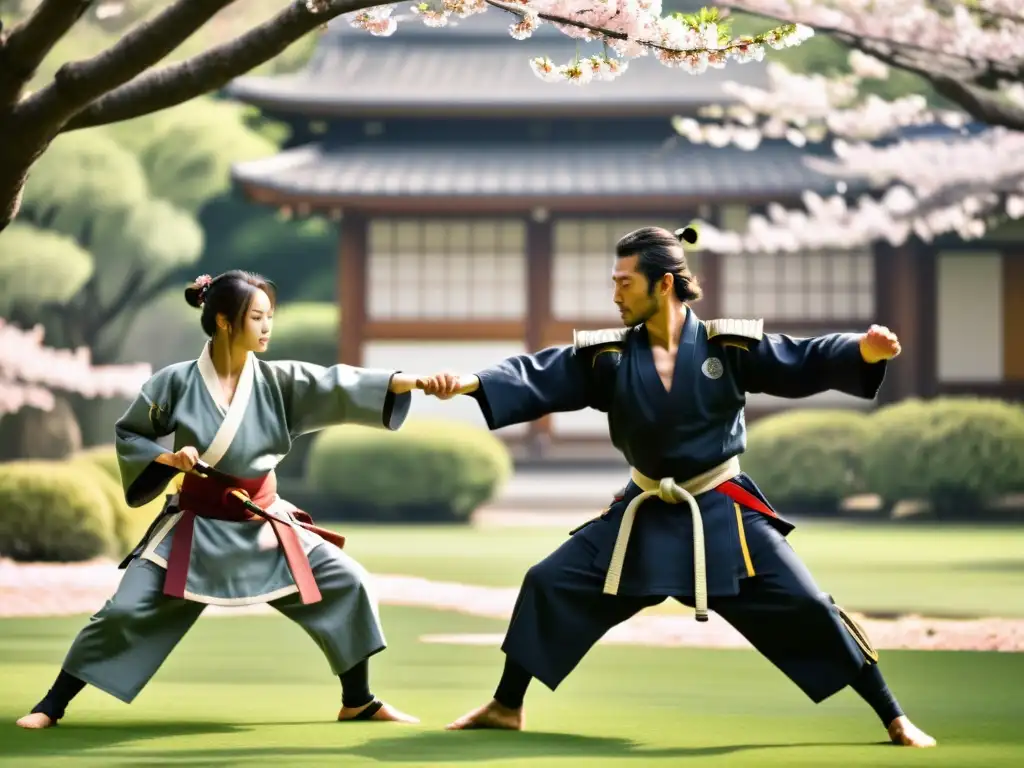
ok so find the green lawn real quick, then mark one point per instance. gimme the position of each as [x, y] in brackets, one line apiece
[229, 696]
[254, 690]
[938, 570]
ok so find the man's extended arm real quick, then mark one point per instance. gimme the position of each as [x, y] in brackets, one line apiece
[844, 362]
[520, 388]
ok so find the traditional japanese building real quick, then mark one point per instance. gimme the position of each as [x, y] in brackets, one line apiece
[479, 207]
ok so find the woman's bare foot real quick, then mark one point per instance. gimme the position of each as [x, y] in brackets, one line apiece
[385, 713]
[906, 734]
[491, 715]
[36, 721]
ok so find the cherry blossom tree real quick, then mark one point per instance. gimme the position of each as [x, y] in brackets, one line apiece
[902, 182]
[127, 79]
[972, 52]
[30, 372]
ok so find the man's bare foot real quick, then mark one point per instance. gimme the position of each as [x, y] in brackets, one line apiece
[906, 734]
[36, 721]
[491, 715]
[384, 713]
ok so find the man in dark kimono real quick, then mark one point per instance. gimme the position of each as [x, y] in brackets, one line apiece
[689, 525]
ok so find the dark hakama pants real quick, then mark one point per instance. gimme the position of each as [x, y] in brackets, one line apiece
[561, 611]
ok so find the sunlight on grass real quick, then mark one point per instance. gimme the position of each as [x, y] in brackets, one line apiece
[882, 568]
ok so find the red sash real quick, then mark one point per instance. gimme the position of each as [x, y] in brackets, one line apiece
[745, 498]
[203, 497]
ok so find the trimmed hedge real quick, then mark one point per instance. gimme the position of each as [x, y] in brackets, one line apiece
[129, 524]
[808, 458]
[54, 511]
[103, 457]
[958, 453]
[427, 470]
[306, 331]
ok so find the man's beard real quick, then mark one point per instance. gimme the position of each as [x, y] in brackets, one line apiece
[642, 315]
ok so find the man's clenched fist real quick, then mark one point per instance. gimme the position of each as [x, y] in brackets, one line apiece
[446, 385]
[878, 344]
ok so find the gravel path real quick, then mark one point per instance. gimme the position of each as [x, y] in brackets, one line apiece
[49, 589]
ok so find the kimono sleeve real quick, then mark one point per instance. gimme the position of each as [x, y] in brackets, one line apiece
[147, 419]
[526, 387]
[316, 397]
[789, 367]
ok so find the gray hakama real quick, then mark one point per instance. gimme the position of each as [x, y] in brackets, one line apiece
[232, 563]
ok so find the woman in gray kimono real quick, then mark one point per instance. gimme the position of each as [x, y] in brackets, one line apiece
[239, 415]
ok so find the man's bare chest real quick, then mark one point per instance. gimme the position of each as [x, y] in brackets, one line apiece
[665, 365]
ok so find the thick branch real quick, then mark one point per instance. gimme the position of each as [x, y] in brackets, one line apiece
[178, 83]
[609, 34]
[984, 106]
[30, 41]
[78, 83]
[1004, 68]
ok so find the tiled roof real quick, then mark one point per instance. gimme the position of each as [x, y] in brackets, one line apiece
[476, 64]
[543, 171]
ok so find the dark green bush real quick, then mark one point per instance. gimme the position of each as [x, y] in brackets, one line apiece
[306, 331]
[958, 453]
[129, 524]
[54, 511]
[104, 457]
[426, 470]
[808, 457]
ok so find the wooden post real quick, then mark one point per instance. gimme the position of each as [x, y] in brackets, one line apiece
[539, 257]
[926, 286]
[900, 304]
[711, 264]
[1013, 316]
[352, 287]
[710, 278]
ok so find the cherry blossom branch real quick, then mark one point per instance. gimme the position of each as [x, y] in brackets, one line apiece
[834, 224]
[30, 371]
[524, 12]
[984, 106]
[808, 108]
[175, 84]
[931, 186]
[957, 166]
[691, 41]
[28, 43]
[908, 25]
[77, 84]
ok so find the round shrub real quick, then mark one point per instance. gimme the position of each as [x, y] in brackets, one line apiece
[306, 331]
[808, 457]
[428, 469]
[103, 457]
[129, 524]
[53, 511]
[959, 453]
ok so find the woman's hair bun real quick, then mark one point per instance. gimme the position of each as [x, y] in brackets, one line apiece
[686, 235]
[195, 294]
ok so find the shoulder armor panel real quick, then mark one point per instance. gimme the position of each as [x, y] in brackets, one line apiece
[732, 329]
[584, 339]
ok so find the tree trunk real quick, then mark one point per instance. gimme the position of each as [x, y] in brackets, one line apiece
[19, 150]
